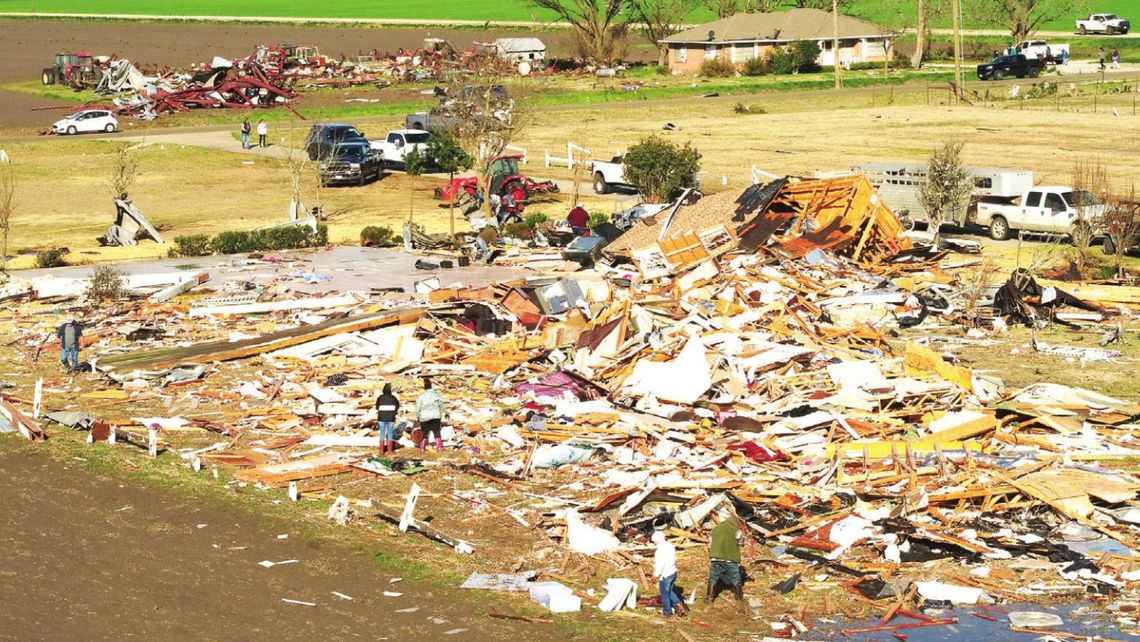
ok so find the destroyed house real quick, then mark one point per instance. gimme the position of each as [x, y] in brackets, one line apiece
[746, 36]
[791, 217]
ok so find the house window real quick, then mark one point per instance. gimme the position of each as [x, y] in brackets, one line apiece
[710, 52]
[683, 54]
[743, 52]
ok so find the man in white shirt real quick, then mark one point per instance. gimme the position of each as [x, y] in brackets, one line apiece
[665, 570]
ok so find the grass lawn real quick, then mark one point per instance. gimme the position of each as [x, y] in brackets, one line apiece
[640, 84]
[502, 10]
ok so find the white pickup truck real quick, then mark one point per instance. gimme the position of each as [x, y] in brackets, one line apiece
[398, 143]
[1106, 23]
[1049, 210]
[1057, 54]
[608, 175]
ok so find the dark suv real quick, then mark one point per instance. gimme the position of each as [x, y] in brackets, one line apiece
[351, 164]
[324, 138]
[1016, 65]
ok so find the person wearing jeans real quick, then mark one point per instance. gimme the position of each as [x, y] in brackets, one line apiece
[429, 412]
[665, 570]
[70, 335]
[387, 405]
[246, 130]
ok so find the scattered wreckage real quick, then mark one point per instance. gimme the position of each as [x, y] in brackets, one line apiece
[756, 355]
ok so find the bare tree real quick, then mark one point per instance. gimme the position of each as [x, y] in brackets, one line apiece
[124, 170]
[1090, 186]
[7, 207]
[660, 19]
[1122, 224]
[947, 186]
[600, 26]
[485, 120]
[297, 168]
[922, 29]
[1023, 17]
[722, 8]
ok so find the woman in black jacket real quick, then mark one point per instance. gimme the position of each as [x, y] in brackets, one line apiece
[387, 405]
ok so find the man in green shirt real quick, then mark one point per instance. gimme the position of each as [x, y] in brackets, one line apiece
[724, 555]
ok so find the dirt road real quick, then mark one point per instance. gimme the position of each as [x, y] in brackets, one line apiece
[87, 557]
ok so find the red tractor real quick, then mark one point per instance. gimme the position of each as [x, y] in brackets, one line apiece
[72, 69]
[505, 179]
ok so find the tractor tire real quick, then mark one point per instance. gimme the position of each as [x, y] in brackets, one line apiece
[600, 185]
[110, 129]
[1109, 247]
[998, 74]
[48, 77]
[71, 131]
[999, 228]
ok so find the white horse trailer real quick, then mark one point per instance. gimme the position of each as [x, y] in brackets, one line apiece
[898, 184]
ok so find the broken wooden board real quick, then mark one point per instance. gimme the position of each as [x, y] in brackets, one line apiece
[227, 350]
[282, 474]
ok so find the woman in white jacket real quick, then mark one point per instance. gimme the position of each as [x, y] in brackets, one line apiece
[665, 570]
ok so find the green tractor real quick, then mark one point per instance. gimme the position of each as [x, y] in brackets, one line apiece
[72, 69]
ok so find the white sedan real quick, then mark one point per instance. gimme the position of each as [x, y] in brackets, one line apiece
[87, 121]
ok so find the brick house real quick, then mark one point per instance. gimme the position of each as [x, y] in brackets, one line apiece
[744, 36]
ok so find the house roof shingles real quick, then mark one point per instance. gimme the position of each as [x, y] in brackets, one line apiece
[782, 26]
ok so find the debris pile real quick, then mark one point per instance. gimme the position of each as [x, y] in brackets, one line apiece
[756, 356]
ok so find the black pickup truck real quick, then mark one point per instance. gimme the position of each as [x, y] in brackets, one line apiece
[351, 164]
[1015, 65]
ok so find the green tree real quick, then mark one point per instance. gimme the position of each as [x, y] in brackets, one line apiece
[447, 155]
[1022, 17]
[805, 54]
[659, 169]
[415, 163]
[947, 187]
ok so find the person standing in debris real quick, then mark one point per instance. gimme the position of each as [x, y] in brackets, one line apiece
[246, 130]
[724, 555]
[665, 570]
[70, 334]
[579, 220]
[429, 412]
[387, 405]
[262, 132]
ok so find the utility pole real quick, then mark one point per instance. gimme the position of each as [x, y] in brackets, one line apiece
[958, 49]
[835, 41]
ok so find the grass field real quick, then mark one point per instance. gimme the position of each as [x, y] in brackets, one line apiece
[501, 10]
[188, 190]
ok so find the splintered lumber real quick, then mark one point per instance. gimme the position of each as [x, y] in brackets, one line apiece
[282, 474]
[172, 291]
[29, 429]
[228, 350]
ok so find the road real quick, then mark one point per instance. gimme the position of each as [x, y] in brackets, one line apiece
[414, 22]
[92, 558]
